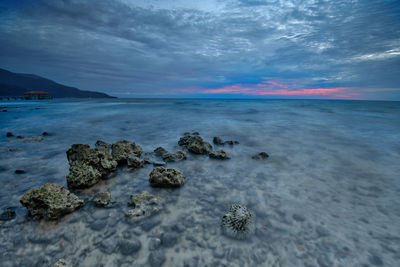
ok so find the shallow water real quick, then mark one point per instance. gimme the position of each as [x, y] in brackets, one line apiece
[328, 195]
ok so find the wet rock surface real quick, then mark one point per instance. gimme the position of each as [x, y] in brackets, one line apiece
[177, 156]
[162, 177]
[9, 134]
[135, 162]
[219, 154]
[88, 166]
[218, 140]
[195, 144]
[143, 205]
[60, 263]
[261, 155]
[102, 199]
[50, 201]
[122, 150]
[237, 222]
[159, 151]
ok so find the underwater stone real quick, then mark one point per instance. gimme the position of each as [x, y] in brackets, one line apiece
[220, 154]
[144, 205]
[9, 134]
[162, 177]
[237, 222]
[50, 201]
[102, 199]
[8, 214]
[123, 149]
[129, 247]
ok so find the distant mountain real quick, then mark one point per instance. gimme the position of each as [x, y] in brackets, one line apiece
[16, 84]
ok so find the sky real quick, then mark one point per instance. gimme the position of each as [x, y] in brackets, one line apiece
[211, 48]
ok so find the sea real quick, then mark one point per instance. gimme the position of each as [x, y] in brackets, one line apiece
[327, 195]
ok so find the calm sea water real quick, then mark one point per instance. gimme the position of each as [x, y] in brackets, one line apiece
[329, 195]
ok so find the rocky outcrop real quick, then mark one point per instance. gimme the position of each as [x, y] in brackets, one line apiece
[195, 144]
[220, 154]
[135, 162]
[261, 155]
[88, 166]
[177, 156]
[122, 150]
[159, 151]
[218, 140]
[50, 201]
[143, 205]
[102, 146]
[237, 222]
[102, 199]
[161, 177]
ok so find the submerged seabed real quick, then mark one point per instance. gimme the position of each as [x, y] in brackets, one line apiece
[329, 195]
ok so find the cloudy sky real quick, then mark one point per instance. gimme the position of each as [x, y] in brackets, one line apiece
[211, 48]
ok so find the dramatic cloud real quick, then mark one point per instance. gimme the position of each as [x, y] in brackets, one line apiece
[166, 48]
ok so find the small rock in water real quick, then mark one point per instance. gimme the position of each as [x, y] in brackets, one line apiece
[19, 171]
[135, 162]
[177, 156]
[8, 214]
[60, 263]
[50, 201]
[220, 154]
[195, 144]
[261, 155]
[9, 134]
[162, 177]
[123, 149]
[237, 222]
[144, 205]
[186, 133]
[159, 151]
[230, 142]
[102, 199]
[20, 137]
[218, 141]
[45, 133]
[195, 133]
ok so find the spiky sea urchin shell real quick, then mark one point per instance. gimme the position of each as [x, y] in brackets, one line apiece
[238, 222]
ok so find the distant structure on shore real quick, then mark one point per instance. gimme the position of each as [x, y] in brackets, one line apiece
[31, 95]
[37, 95]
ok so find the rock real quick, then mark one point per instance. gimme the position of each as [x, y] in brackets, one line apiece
[50, 201]
[186, 133]
[237, 222]
[135, 162]
[102, 146]
[8, 214]
[156, 258]
[159, 151]
[129, 247]
[195, 133]
[60, 263]
[88, 166]
[218, 141]
[261, 155]
[9, 134]
[20, 137]
[102, 199]
[220, 154]
[177, 156]
[144, 205]
[147, 161]
[19, 171]
[195, 144]
[33, 139]
[169, 239]
[161, 177]
[123, 149]
[45, 133]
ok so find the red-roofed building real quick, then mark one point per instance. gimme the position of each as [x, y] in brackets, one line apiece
[37, 95]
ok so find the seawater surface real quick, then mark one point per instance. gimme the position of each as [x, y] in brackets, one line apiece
[328, 195]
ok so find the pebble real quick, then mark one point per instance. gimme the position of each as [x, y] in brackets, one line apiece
[129, 247]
